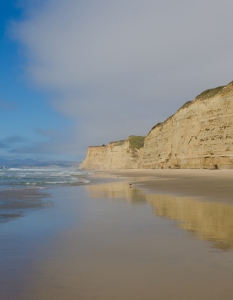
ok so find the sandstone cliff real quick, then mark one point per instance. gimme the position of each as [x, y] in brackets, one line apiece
[116, 155]
[198, 135]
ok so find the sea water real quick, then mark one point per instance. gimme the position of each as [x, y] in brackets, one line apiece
[40, 177]
[23, 190]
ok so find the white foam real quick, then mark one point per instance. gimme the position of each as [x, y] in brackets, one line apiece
[85, 181]
[33, 170]
[34, 177]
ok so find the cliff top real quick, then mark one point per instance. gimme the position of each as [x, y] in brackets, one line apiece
[135, 142]
[207, 94]
[210, 93]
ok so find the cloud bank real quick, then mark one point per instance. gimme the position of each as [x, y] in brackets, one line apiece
[118, 67]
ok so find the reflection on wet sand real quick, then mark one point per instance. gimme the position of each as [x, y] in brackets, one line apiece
[211, 221]
[117, 191]
[15, 203]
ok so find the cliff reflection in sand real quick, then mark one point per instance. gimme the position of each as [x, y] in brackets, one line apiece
[211, 221]
[117, 191]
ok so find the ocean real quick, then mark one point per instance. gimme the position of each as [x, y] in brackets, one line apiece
[23, 190]
[40, 177]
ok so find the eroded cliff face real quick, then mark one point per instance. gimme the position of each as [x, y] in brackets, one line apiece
[198, 135]
[94, 158]
[116, 155]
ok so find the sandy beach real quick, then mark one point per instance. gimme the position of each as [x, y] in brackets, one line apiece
[128, 234]
[206, 184]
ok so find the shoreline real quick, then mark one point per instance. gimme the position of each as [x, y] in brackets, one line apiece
[204, 184]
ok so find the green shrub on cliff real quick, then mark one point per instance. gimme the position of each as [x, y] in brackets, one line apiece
[136, 142]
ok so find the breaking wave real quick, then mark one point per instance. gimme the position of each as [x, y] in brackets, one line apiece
[38, 177]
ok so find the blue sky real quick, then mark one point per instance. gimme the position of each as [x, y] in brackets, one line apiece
[76, 73]
[27, 119]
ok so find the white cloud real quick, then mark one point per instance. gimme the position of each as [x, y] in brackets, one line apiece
[119, 67]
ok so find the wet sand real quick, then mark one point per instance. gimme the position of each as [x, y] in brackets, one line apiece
[15, 203]
[143, 235]
[205, 184]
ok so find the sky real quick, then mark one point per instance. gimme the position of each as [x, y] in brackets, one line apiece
[76, 73]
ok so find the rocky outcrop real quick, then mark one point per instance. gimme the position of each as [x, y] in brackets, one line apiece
[116, 155]
[198, 135]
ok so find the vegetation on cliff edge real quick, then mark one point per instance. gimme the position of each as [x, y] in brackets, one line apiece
[204, 95]
[210, 93]
[136, 142]
[117, 143]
